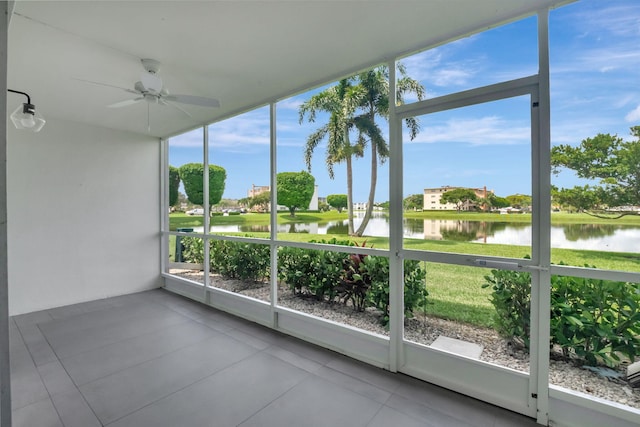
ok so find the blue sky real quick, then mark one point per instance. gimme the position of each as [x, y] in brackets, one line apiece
[595, 88]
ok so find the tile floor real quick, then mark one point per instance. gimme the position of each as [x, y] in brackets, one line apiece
[156, 359]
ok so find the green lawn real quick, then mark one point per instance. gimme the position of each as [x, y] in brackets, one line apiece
[455, 291]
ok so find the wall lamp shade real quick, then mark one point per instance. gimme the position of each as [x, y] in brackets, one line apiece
[26, 117]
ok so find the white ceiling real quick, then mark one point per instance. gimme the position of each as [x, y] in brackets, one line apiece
[244, 53]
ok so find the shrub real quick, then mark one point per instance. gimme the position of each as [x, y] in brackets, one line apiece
[415, 290]
[234, 260]
[511, 297]
[312, 272]
[596, 321]
[239, 260]
[362, 280]
[193, 250]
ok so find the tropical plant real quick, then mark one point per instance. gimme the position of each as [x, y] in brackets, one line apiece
[375, 84]
[340, 102]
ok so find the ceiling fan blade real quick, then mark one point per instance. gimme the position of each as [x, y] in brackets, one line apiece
[126, 103]
[176, 106]
[193, 100]
[107, 85]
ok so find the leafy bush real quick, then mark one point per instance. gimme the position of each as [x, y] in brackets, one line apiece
[234, 260]
[239, 260]
[415, 290]
[193, 250]
[597, 321]
[511, 297]
[312, 272]
[362, 280]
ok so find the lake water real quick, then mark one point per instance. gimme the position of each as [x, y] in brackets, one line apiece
[607, 237]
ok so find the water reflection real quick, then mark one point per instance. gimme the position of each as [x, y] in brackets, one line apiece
[606, 237]
[575, 232]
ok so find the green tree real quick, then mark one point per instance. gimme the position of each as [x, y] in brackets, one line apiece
[340, 101]
[498, 202]
[415, 201]
[375, 83]
[459, 197]
[338, 201]
[262, 201]
[295, 190]
[520, 201]
[582, 199]
[608, 159]
[174, 184]
[192, 175]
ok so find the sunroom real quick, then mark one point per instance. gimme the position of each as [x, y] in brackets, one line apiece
[132, 91]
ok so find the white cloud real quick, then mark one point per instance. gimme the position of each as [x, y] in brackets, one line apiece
[634, 115]
[490, 130]
[290, 104]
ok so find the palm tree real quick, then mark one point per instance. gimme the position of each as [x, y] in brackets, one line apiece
[340, 101]
[375, 84]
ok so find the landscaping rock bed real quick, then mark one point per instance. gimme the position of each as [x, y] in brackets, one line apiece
[424, 329]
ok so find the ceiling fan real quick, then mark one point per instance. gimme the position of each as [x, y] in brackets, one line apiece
[151, 89]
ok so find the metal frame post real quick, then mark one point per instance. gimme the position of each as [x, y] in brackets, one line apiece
[5, 363]
[396, 266]
[273, 214]
[206, 214]
[541, 279]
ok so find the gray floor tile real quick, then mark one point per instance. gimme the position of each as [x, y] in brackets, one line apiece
[26, 386]
[350, 383]
[509, 419]
[462, 407]
[310, 351]
[69, 342]
[427, 415]
[367, 373]
[100, 318]
[39, 348]
[390, 417]
[38, 414]
[74, 411]
[223, 399]
[248, 339]
[295, 359]
[55, 378]
[215, 323]
[100, 362]
[66, 311]
[316, 402]
[119, 394]
[32, 318]
[141, 361]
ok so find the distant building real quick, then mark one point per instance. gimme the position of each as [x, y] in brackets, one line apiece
[360, 206]
[257, 189]
[432, 198]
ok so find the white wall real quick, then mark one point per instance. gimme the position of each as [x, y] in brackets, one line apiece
[83, 215]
